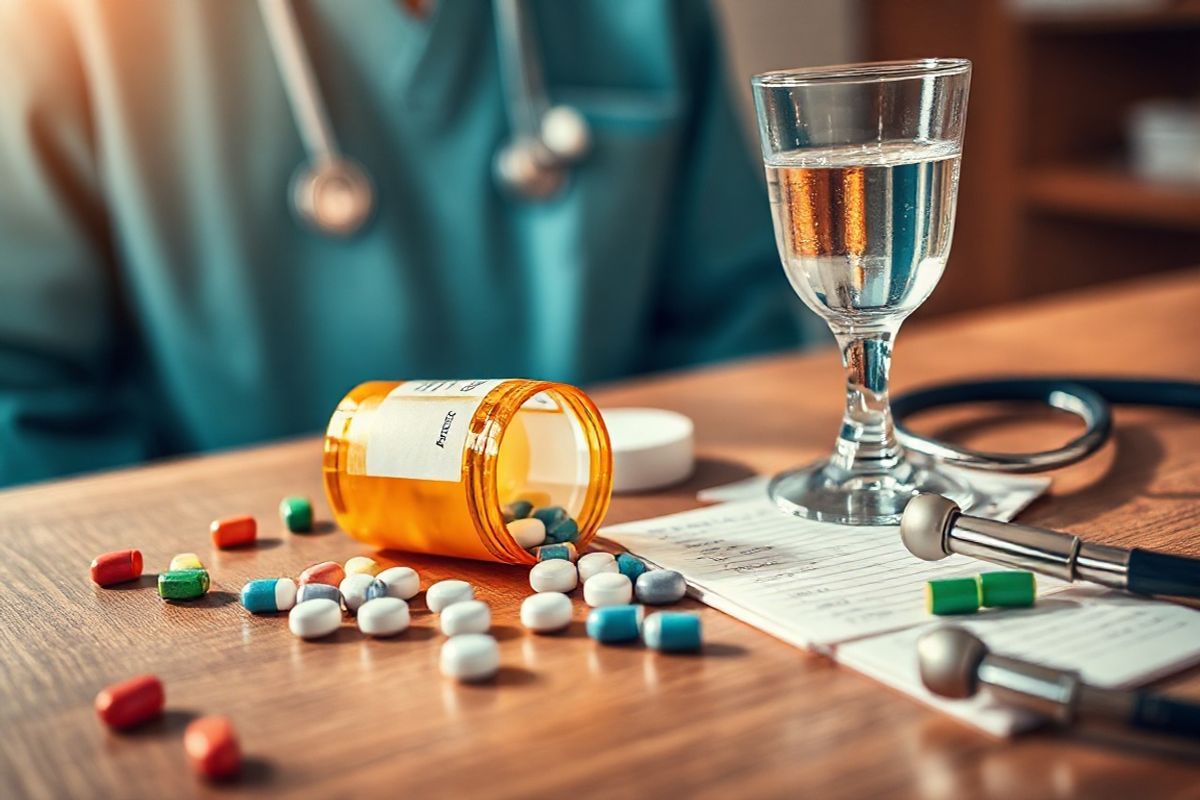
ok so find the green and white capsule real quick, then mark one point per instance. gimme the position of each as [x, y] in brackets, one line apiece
[268, 595]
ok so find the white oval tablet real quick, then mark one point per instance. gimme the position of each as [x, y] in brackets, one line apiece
[313, 619]
[470, 657]
[402, 582]
[651, 447]
[469, 616]
[546, 611]
[595, 563]
[383, 616]
[529, 532]
[607, 589]
[555, 575]
[445, 593]
[354, 590]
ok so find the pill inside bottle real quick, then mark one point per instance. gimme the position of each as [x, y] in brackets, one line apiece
[428, 466]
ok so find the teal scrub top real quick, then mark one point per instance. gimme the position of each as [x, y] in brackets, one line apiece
[158, 296]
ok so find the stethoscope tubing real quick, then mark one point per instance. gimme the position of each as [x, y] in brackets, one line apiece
[1090, 398]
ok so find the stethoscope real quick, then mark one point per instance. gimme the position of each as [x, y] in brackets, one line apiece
[333, 194]
[956, 664]
[933, 527]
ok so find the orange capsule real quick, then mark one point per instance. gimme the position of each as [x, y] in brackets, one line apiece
[329, 572]
[212, 747]
[233, 531]
[117, 567]
[131, 702]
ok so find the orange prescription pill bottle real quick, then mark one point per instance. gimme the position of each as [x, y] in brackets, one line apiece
[426, 466]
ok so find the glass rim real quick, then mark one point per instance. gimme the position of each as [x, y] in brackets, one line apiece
[864, 72]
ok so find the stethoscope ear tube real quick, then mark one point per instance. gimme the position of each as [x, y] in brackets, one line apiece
[1087, 397]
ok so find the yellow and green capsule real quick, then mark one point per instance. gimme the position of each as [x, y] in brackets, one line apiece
[952, 596]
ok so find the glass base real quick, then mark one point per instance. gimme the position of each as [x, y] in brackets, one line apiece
[829, 494]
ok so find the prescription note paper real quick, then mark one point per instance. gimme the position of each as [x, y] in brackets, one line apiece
[1111, 638]
[814, 584]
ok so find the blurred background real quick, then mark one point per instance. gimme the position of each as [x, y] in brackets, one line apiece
[1082, 157]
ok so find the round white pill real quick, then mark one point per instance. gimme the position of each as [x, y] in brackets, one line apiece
[470, 616]
[354, 590]
[313, 619]
[402, 582]
[285, 594]
[607, 589]
[383, 616]
[555, 575]
[446, 593]
[594, 564]
[529, 532]
[470, 657]
[546, 611]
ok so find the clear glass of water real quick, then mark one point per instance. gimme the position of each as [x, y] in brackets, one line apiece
[862, 168]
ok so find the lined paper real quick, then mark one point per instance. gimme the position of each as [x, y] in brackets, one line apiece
[1112, 639]
[813, 584]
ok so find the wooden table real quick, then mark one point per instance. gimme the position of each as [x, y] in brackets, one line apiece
[753, 717]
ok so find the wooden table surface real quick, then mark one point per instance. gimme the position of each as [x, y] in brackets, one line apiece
[350, 717]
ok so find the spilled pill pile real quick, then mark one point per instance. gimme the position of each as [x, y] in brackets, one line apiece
[319, 598]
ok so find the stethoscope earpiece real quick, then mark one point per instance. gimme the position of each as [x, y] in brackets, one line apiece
[333, 196]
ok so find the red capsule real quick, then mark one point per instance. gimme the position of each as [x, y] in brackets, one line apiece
[212, 747]
[233, 531]
[131, 702]
[117, 567]
[329, 572]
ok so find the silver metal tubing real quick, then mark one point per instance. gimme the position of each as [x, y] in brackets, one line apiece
[1102, 564]
[298, 80]
[1050, 692]
[1019, 546]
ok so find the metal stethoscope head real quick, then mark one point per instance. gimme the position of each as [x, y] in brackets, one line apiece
[955, 663]
[333, 194]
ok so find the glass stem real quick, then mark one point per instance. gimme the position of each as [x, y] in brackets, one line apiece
[867, 443]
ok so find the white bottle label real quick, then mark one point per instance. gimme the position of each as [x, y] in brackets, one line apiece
[421, 427]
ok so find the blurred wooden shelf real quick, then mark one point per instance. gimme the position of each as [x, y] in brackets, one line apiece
[1113, 194]
[1184, 15]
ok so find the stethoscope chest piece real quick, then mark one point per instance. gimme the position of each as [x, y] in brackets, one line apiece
[333, 196]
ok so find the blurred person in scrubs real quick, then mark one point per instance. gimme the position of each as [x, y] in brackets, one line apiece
[158, 294]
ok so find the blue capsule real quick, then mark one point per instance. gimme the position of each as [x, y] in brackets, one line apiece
[563, 531]
[518, 509]
[610, 624]
[550, 515]
[672, 631]
[630, 566]
[268, 595]
[547, 552]
[376, 589]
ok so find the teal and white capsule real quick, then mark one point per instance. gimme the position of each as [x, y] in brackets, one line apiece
[268, 595]
[672, 631]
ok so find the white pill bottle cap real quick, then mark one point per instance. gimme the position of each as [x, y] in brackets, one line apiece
[651, 447]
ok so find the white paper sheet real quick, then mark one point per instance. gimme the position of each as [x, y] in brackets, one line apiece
[1111, 638]
[813, 584]
[858, 595]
